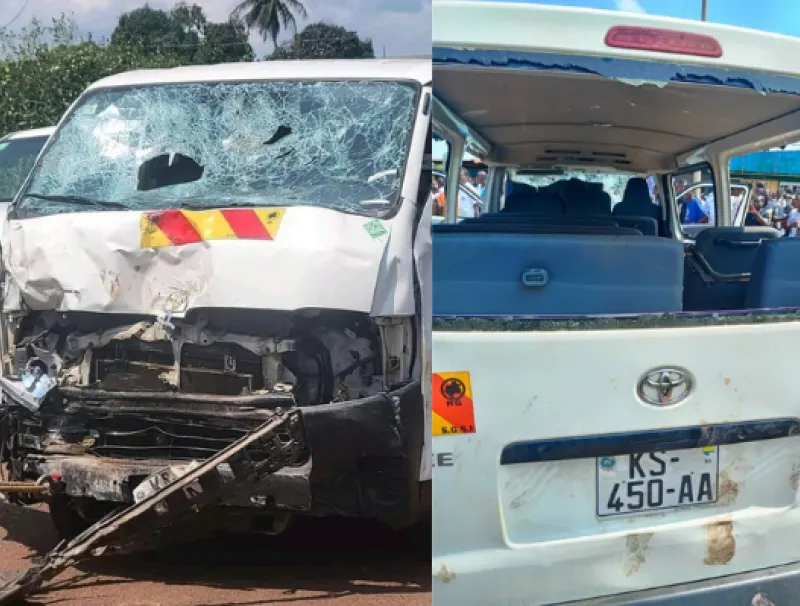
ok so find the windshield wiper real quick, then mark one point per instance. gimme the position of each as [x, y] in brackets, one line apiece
[78, 201]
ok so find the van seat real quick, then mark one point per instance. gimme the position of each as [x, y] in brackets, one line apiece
[636, 201]
[533, 228]
[554, 274]
[585, 198]
[775, 277]
[533, 202]
[646, 225]
[527, 218]
[727, 250]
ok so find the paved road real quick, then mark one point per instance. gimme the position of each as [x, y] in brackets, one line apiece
[321, 562]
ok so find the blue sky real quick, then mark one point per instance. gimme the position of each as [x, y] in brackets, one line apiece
[779, 16]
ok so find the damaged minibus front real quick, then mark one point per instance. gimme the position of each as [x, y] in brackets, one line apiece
[197, 249]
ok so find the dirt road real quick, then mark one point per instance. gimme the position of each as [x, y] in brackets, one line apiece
[321, 562]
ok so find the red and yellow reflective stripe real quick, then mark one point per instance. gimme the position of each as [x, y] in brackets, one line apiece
[176, 227]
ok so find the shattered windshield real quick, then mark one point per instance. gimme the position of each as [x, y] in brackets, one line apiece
[339, 145]
[17, 157]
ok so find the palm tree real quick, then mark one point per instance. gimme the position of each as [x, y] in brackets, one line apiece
[269, 17]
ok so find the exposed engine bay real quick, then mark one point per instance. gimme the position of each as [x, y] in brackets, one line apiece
[317, 356]
[139, 389]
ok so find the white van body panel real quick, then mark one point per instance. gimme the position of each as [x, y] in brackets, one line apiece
[319, 258]
[528, 533]
[581, 31]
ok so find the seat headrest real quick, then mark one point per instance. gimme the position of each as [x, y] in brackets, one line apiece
[636, 190]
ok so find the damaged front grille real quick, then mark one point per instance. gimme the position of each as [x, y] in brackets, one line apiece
[132, 437]
[227, 369]
[182, 388]
[170, 427]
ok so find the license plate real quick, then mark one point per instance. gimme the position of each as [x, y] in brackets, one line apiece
[630, 484]
[159, 480]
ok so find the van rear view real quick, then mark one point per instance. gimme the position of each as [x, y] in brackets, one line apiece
[614, 415]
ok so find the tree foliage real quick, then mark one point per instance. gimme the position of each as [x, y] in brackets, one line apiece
[38, 88]
[325, 41]
[43, 68]
[269, 17]
[184, 32]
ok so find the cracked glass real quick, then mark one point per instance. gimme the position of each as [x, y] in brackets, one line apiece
[340, 145]
[17, 157]
[613, 183]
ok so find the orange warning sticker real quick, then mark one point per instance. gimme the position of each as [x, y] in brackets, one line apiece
[453, 412]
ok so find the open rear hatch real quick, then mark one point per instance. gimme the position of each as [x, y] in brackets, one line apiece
[594, 439]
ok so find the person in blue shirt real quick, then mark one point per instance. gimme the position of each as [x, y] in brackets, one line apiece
[692, 211]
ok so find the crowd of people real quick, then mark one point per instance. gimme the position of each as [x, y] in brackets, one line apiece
[470, 194]
[779, 209]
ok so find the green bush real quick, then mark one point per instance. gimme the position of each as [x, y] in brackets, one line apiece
[43, 68]
[38, 88]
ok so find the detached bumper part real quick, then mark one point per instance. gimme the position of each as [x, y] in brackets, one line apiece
[201, 486]
[365, 461]
[366, 456]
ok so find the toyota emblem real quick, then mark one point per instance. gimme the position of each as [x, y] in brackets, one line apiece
[665, 386]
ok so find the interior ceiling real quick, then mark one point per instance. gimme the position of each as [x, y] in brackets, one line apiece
[537, 118]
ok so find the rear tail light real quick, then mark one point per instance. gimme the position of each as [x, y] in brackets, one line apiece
[663, 41]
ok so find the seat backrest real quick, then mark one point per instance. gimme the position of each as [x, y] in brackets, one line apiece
[636, 201]
[534, 202]
[581, 198]
[647, 225]
[554, 274]
[775, 277]
[526, 218]
[477, 227]
[727, 250]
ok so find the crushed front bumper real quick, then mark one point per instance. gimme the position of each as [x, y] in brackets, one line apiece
[280, 441]
[364, 462]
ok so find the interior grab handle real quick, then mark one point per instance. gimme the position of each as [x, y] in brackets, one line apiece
[535, 278]
[738, 243]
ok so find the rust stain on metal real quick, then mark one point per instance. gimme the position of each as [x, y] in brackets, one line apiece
[444, 574]
[720, 543]
[635, 551]
[728, 489]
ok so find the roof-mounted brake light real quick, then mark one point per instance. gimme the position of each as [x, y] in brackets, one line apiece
[663, 41]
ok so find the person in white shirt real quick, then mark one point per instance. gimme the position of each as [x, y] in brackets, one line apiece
[773, 201]
[480, 183]
[467, 206]
[793, 220]
[709, 208]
